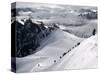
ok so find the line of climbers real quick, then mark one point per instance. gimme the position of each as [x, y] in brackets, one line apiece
[67, 52]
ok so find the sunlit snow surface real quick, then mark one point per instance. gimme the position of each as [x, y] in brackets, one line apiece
[81, 57]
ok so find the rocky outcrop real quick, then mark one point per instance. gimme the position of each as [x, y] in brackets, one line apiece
[28, 37]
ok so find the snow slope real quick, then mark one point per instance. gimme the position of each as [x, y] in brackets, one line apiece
[82, 57]
[50, 55]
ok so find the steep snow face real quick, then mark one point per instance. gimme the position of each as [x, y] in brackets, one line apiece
[50, 52]
[82, 57]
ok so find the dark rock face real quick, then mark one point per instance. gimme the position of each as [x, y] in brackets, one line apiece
[94, 32]
[28, 37]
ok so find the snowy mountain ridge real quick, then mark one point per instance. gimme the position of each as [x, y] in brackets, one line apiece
[82, 57]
